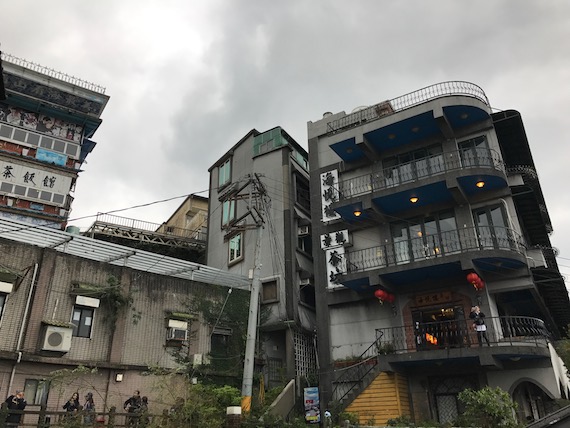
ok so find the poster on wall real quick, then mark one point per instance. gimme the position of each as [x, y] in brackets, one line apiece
[312, 410]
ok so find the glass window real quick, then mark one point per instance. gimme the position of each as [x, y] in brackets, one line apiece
[36, 391]
[235, 249]
[220, 341]
[475, 152]
[82, 321]
[2, 303]
[228, 211]
[224, 173]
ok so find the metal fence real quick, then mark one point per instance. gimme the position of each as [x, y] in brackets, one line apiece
[435, 245]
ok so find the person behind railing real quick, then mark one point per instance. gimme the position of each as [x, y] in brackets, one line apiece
[89, 409]
[16, 404]
[479, 325]
[72, 406]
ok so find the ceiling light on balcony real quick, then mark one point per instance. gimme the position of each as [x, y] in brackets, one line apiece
[357, 213]
[414, 199]
[392, 136]
[415, 129]
[464, 116]
[480, 184]
[349, 150]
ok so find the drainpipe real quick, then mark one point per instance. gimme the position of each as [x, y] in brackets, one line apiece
[23, 328]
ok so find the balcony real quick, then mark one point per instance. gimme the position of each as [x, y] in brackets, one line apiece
[386, 108]
[503, 332]
[435, 246]
[512, 338]
[421, 169]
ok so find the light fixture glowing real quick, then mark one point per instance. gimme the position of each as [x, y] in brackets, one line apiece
[357, 213]
[415, 129]
[464, 116]
[480, 184]
[391, 136]
[414, 199]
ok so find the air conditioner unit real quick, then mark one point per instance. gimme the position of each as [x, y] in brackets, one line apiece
[57, 338]
[303, 230]
[305, 281]
[177, 334]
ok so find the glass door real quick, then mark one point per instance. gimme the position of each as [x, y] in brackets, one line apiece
[491, 228]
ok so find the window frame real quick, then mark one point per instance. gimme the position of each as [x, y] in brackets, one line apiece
[231, 212]
[239, 257]
[82, 322]
[225, 173]
[3, 299]
[265, 283]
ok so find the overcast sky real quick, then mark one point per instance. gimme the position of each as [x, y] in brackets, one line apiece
[188, 79]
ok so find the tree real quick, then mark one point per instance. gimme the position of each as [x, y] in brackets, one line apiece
[488, 408]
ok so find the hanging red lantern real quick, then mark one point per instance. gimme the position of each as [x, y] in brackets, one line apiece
[479, 284]
[391, 298]
[381, 295]
[472, 277]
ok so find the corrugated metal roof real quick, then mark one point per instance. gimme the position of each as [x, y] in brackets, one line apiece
[119, 255]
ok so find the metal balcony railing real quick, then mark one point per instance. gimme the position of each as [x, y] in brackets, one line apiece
[424, 337]
[419, 169]
[431, 246]
[53, 73]
[134, 224]
[412, 99]
[501, 331]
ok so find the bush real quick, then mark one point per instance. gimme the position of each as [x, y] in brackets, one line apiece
[488, 408]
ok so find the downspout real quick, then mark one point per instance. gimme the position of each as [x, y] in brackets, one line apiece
[23, 328]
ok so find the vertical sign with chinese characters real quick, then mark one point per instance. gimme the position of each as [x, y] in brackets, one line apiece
[329, 194]
[333, 245]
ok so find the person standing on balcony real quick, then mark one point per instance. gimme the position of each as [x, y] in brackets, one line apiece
[16, 404]
[479, 325]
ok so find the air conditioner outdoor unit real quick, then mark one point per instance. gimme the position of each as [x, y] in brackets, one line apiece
[303, 230]
[177, 334]
[57, 339]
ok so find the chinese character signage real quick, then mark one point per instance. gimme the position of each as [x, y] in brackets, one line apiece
[28, 176]
[334, 239]
[312, 405]
[329, 194]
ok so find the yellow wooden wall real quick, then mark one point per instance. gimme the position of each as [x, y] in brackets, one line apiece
[385, 398]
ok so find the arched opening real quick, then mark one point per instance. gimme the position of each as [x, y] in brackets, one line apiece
[533, 402]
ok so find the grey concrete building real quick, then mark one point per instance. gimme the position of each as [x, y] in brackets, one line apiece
[424, 206]
[58, 292]
[274, 164]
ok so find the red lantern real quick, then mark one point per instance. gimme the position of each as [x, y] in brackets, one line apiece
[381, 295]
[472, 277]
[391, 298]
[479, 285]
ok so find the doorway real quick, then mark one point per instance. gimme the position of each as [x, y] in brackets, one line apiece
[439, 327]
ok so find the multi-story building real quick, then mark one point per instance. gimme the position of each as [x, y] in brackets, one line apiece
[47, 121]
[67, 300]
[272, 167]
[424, 206]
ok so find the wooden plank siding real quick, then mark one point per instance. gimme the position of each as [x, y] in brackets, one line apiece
[385, 398]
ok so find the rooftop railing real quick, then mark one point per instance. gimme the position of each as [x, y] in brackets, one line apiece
[418, 169]
[406, 101]
[432, 246]
[129, 223]
[53, 73]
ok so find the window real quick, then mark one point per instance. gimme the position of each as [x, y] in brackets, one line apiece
[2, 303]
[224, 173]
[269, 292]
[82, 321]
[228, 211]
[36, 391]
[220, 341]
[235, 248]
[475, 152]
[302, 196]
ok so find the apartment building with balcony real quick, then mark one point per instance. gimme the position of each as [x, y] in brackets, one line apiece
[47, 120]
[263, 182]
[413, 198]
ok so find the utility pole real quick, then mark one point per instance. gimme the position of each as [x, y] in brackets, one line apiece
[256, 209]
